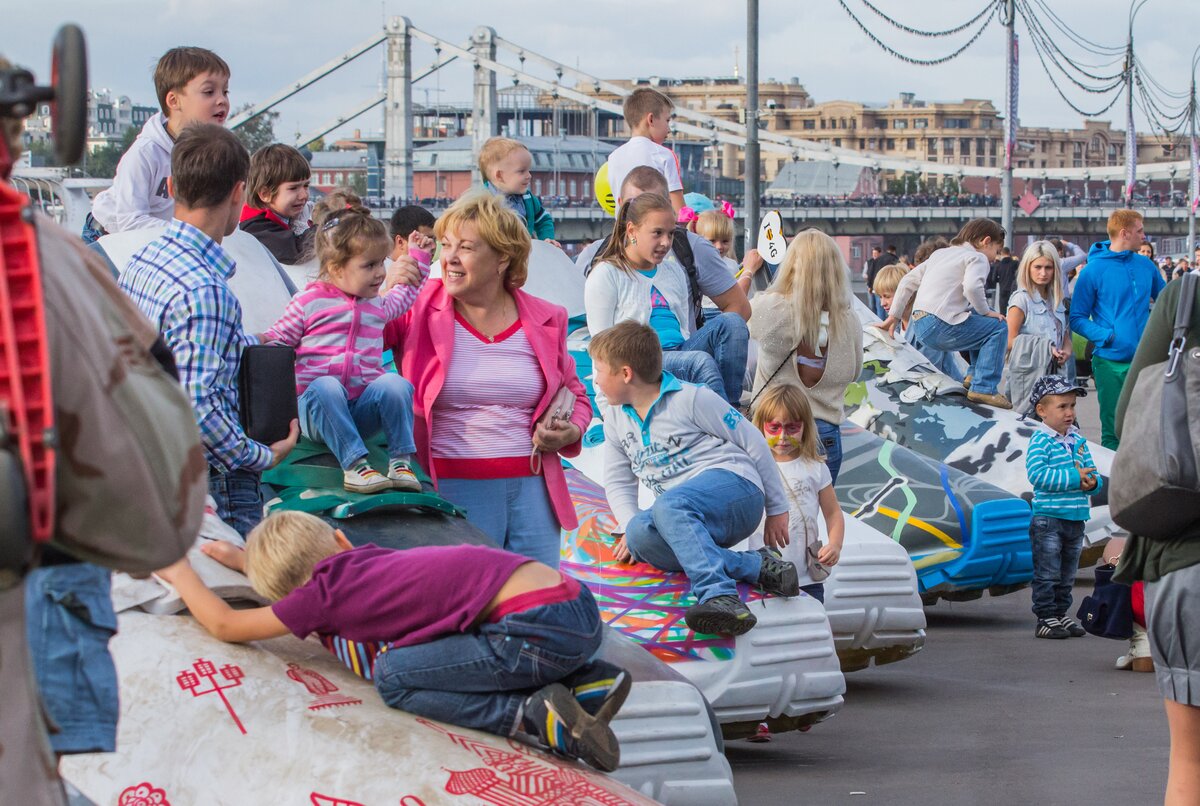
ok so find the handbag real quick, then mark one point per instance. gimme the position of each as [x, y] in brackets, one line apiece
[817, 570]
[1155, 484]
[267, 392]
[1108, 611]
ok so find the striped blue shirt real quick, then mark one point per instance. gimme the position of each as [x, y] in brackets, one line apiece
[1050, 464]
[179, 282]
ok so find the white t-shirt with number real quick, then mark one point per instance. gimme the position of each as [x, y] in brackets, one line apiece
[642, 151]
[803, 480]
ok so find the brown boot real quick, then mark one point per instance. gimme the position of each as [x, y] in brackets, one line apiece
[997, 400]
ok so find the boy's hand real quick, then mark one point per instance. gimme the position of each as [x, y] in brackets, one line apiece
[829, 554]
[752, 262]
[173, 571]
[552, 242]
[226, 554]
[280, 449]
[1087, 477]
[621, 551]
[775, 532]
[888, 326]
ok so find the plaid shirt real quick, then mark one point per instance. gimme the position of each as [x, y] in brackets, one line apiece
[179, 283]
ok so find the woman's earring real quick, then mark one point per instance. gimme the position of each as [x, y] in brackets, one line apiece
[633, 241]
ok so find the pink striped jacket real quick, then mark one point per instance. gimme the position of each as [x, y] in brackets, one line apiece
[340, 335]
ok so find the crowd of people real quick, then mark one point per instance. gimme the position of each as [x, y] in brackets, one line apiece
[487, 400]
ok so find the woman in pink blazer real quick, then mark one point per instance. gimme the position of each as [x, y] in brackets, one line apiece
[497, 399]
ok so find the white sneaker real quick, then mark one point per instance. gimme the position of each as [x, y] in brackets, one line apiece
[1138, 657]
[362, 478]
[401, 476]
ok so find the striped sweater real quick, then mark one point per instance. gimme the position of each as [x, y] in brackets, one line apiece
[1057, 485]
[340, 335]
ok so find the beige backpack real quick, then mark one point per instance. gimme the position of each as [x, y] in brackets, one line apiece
[131, 472]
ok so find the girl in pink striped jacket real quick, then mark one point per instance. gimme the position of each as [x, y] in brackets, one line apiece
[336, 325]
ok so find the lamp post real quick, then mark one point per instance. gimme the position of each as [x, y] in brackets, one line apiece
[751, 173]
[1193, 178]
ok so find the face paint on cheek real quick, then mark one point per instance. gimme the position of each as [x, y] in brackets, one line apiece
[785, 440]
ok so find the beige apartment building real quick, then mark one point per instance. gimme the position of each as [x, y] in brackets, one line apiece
[953, 133]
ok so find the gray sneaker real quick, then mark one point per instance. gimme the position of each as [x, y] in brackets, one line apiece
[720, 615]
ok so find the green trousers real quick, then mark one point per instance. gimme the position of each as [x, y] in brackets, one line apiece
[1109, 377]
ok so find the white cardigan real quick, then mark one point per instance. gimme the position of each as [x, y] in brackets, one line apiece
[613, 295]
[948, 285]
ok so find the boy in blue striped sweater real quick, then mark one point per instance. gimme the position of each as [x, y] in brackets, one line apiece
[1063, 475]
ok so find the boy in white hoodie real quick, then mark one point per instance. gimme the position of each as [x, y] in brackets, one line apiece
[192, 85]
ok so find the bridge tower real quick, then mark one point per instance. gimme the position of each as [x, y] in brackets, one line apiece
[398, 113]
[485, 122]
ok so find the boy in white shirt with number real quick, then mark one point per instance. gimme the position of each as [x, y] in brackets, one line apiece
[648, 115]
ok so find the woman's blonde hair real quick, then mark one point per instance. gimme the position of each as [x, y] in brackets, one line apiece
[345, 229]
[786, 402]
[632, 212]
[714, 225]
[1036, 250]
[283, 549]
[498, 227]
[814, 276]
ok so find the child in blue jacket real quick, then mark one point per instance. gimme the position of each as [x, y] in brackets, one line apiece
[1063, 475]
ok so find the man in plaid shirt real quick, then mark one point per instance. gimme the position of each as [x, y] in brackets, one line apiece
[179, 283]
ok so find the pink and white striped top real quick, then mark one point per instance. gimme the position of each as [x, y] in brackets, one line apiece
[483, 422]
[340, 335]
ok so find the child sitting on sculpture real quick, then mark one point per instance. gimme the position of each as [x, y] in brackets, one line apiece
[443, 651]
[336, 325]
[711, 470]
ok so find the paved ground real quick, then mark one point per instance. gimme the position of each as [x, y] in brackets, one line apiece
[986, 714]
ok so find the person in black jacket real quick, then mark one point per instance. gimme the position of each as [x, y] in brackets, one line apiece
[277, 206]
[1004, 270]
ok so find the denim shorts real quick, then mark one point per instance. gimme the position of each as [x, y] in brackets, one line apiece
[70, 619]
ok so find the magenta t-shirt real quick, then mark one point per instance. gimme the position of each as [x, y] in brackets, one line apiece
[400, 597]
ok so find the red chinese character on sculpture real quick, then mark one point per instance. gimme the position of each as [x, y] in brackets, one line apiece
[189, 680]
[320, 686]
[143, 794]
[317, 799]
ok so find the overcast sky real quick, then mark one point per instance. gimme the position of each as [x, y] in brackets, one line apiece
[269, 45]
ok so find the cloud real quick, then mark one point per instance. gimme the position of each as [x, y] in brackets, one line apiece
[269, 45]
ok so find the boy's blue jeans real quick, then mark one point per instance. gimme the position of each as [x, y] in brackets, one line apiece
[984, 337]
[482, 678]
[1056, 547]
[715, 352]
[690, 527]
[239, 498]
[328, 415]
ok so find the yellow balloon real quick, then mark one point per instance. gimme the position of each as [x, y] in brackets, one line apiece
[603, 189]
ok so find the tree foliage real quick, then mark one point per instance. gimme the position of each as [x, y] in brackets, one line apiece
[258, 132]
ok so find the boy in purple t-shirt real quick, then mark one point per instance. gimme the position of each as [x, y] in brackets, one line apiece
[506, 649]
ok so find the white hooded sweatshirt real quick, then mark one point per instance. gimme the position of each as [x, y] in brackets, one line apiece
[138, 197]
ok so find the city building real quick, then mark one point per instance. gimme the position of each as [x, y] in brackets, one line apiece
[953, 133]
[110, 117]
[563, 167]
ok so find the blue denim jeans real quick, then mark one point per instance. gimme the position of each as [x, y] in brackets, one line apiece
[690, 527]
[328, 415]
[70, 619]
[983, 337]
[239, 498]
[714, 356]
[816, 590]
[1056, 547]
[481, 679]
[830, 437]
[92, 231]
[516, 513]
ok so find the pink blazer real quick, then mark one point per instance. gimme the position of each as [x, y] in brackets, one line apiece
[423, 338]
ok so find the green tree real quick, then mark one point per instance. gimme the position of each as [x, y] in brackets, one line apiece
[358, 183]
[102, 162]
[317, 145]
[258, 132]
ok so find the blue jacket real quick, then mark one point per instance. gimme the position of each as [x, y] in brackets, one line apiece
[529, 208]
[1111, 302]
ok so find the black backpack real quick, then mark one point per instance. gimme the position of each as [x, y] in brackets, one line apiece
[687, 259]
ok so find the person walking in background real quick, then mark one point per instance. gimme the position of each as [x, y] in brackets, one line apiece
[1110, 307]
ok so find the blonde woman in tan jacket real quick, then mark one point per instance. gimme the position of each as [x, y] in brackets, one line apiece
[808, 334]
